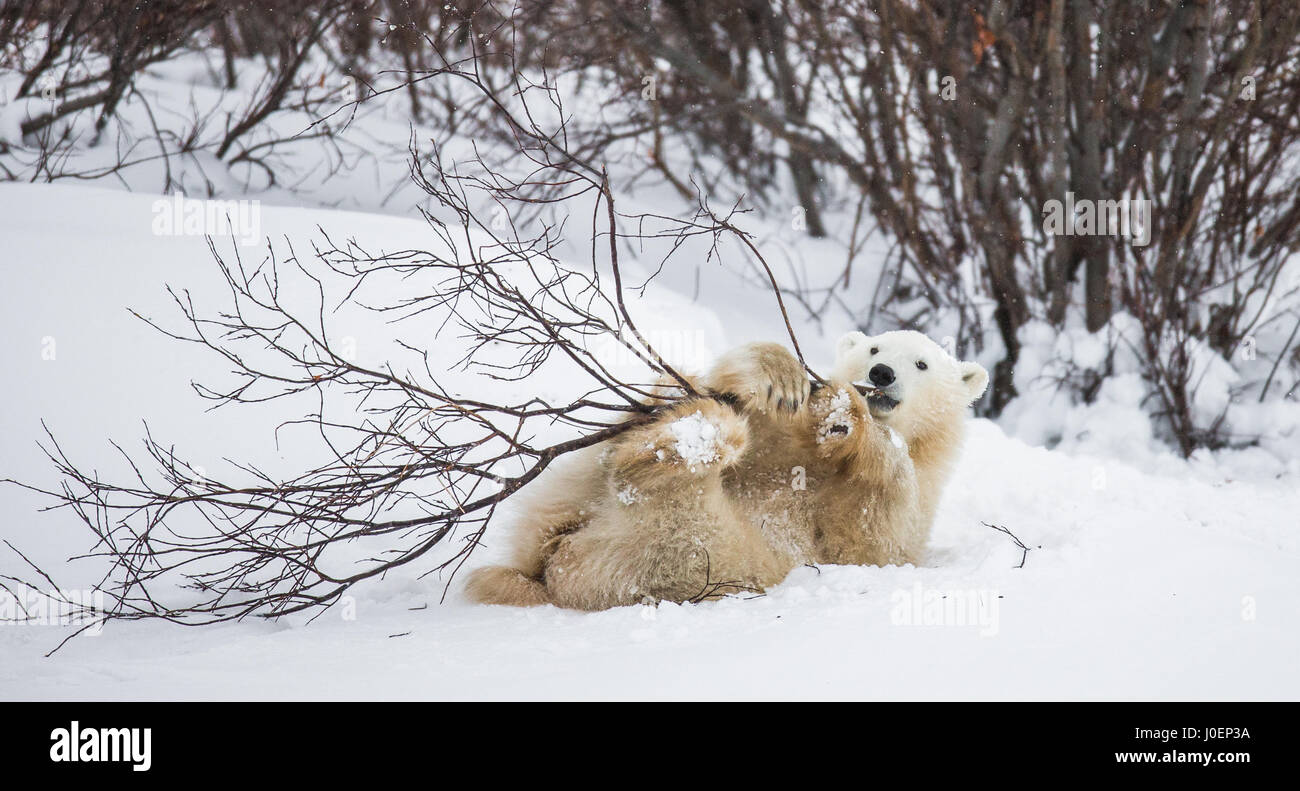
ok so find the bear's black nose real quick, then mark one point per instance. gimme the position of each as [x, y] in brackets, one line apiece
[881, 375]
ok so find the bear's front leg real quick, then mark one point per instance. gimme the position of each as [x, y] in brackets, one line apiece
[842, 432]
[764, 377]
[867, 495]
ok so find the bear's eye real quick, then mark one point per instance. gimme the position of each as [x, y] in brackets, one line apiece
[875, 349]
[921, 364]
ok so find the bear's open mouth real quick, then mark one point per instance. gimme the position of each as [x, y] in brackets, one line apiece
[882, 402]
[876, 398]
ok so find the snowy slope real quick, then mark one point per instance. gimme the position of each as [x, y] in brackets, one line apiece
[1148, 577]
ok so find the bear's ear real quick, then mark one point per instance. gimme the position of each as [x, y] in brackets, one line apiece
[847, 343]
[975, 378]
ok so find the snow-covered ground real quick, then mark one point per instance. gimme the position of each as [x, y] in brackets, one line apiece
[1147, 576]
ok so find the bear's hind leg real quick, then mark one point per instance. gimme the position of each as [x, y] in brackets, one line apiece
[667, 524]
[505, 585]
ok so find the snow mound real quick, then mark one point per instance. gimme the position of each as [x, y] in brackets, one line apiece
[1141, 575]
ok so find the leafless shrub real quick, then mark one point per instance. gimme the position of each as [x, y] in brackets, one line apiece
[947, 126]
[959, 123]
[407, 462]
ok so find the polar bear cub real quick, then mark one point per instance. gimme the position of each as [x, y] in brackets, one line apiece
[918, 394]
[700, 503]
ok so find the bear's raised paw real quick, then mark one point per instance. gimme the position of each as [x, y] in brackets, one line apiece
[697, 437]
[838, 411]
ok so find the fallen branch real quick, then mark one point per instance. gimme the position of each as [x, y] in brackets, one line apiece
[1024, 549]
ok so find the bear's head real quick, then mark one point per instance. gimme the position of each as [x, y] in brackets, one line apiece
[920, 389]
